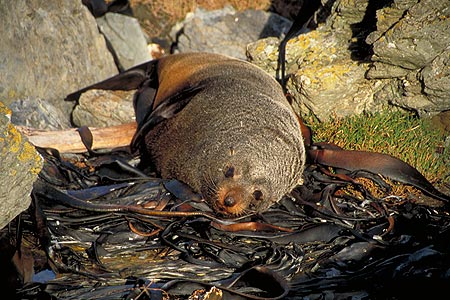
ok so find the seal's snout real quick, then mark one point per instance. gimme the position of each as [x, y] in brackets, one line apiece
[238, 197]
[258, 195]
[229, 201]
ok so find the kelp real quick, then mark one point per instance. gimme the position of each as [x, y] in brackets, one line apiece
[109, 232]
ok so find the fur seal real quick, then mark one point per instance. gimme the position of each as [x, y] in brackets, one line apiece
[237, 140]
[221, 125]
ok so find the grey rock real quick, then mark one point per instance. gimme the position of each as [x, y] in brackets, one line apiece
[49, 49]
[441, 121]
[38, 113]
[20, 165]
[411, 48]
[417, 38]
[380, 70]
[126, 38]
[226, 31]
[435, 79]
[99, 108]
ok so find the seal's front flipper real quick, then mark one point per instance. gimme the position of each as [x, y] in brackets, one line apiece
[165, 110]
[130, 79]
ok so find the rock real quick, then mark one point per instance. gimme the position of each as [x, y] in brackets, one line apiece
[414, 40]
[411, 51]
[226, 31]
[329, 74]
[38, 113]
[441, 121]
[98, 108]
[19, 168]
[324, 78]
[435, 78]
[338, 89]
[126, 39]
[49, 49]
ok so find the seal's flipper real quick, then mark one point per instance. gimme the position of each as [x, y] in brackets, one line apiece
[376, 163]
[165, 110]
[130, 79]
[143, 103]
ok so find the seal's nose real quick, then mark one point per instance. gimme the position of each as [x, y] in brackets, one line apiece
[229, 201]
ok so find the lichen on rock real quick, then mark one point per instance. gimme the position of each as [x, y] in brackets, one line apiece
[20, 166]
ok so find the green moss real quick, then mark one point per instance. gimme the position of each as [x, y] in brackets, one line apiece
[399, 134]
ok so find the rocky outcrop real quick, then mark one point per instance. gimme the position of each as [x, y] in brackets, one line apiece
[411, 50]
[19, 167]
[50, 49]
[333, 70]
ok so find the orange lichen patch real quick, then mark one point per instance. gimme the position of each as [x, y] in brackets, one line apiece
[4, 110]
[13, 138]
[12, 142]
[29, 154]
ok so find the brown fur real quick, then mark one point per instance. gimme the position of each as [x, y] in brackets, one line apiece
[237, 141]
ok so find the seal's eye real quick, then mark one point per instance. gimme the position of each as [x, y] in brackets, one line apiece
[258, 195]
[229, 173]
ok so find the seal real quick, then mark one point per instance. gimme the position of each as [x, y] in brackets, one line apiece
[221, 125]
[236, 139]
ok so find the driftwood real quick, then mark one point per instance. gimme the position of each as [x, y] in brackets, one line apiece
[69, 140]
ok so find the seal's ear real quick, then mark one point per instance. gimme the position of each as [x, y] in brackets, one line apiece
[131, 79]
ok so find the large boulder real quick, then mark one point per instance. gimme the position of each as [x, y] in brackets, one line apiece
[50, 48]
[411, 52]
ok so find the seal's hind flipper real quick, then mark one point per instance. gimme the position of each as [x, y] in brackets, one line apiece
[131, 79]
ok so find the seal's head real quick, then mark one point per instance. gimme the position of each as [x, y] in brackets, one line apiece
[235, 192]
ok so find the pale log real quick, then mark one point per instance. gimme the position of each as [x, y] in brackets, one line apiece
[69, 141]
